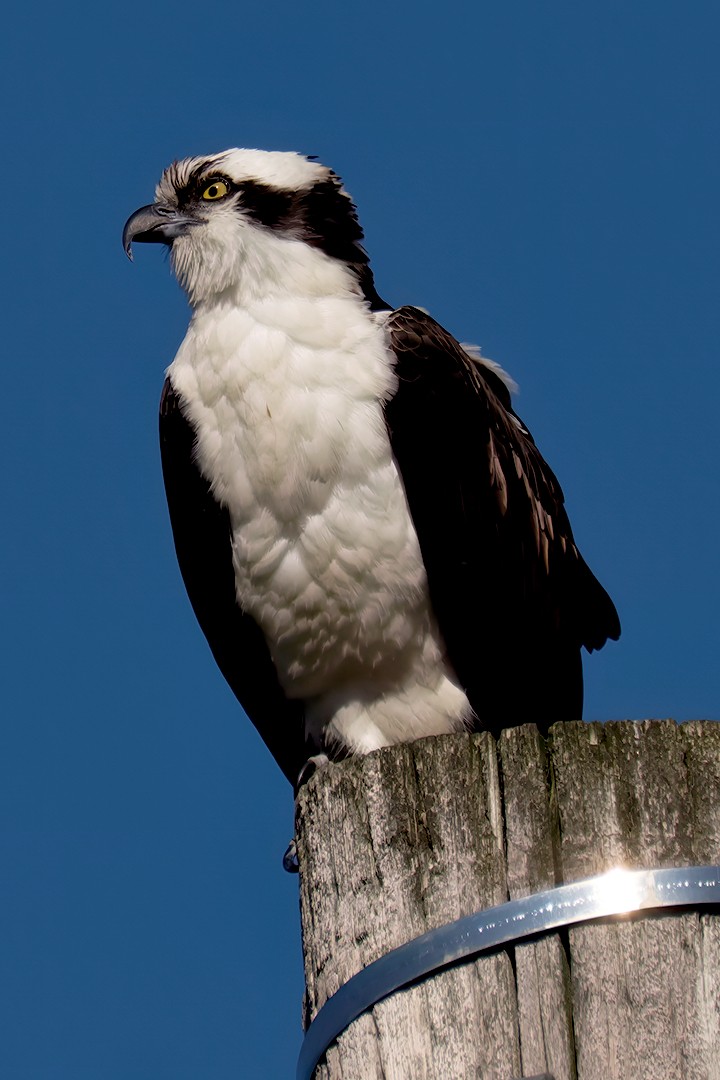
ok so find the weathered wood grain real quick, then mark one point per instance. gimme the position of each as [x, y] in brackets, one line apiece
[390, 846]
[629, 794]
[412, 837]
[532, 839]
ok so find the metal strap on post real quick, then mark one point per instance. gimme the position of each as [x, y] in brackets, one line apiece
[617, 892]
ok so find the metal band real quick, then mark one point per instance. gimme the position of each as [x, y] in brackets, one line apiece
[618, 892]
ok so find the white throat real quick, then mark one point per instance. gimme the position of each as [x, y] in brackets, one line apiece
[229, 260]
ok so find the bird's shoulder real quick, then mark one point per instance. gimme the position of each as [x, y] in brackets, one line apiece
[470, 399]
[422, 346]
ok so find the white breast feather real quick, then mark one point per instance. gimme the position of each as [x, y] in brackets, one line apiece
[286, 393]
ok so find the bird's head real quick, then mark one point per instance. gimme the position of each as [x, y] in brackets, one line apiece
[252, 219]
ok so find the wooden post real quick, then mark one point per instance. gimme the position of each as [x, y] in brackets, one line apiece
[410, 838]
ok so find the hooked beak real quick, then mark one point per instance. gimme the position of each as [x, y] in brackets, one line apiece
[154, 224]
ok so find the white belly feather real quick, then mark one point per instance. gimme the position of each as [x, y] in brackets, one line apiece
[286, 397]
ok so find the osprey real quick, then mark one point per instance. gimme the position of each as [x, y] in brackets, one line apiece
[372, 543]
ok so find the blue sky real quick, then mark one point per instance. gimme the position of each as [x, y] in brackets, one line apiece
[544, 179]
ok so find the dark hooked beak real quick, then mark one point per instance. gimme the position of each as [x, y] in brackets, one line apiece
[154, 224]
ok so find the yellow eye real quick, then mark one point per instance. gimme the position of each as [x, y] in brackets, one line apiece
[217, 190]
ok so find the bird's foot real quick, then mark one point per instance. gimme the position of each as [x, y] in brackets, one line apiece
[309, 769]
[290, 858]
[311, 766]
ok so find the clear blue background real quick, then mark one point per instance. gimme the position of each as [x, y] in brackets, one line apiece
[545, 179]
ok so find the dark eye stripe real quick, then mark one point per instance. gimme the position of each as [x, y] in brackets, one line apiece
[267, 205]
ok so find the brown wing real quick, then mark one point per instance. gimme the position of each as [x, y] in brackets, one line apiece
[514, 598]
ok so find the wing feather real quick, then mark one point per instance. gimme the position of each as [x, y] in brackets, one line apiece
[513, 596]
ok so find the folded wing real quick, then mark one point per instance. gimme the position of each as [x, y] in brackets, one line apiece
[514, 598]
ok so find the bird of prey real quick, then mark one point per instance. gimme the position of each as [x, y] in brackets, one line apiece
[371, 541]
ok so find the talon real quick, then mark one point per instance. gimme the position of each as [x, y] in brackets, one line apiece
[290, 859]
[309, 769]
